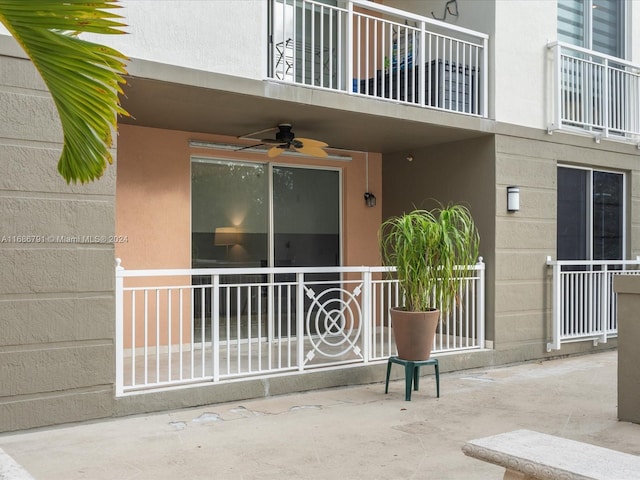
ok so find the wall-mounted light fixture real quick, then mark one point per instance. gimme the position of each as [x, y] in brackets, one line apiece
[369, 199]
[513, 199]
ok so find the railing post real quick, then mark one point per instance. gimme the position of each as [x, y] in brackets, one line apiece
[604, 304]
[119, 340]
[349, 45]
[215, 326]
[606, 100]
[300, 319]
[422, 56]
[481, 303]
[556, 289]
[557, 88]
[485, 78]
[366, 315]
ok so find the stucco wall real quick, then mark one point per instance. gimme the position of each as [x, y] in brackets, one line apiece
[154, 197]
[525, 238]
[56, 287]
[459, 172]
[628, 290]
[226, 36]
[514, 245]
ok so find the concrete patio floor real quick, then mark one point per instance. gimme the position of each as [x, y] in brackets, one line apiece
[343, 433]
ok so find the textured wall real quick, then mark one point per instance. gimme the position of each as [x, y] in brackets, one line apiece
[628, 289]
[227, 36]
[525, 238]
[458, 172]
[56, 277]
[514, 245]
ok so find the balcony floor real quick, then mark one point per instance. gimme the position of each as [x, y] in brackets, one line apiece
[352, 433]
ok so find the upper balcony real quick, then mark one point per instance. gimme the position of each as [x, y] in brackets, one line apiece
[595, 94]
[371, 49]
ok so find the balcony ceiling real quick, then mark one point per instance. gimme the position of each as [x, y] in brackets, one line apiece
[164, 96]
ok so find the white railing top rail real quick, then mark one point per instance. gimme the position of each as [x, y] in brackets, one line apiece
[593, 53]
[377, 7]
[166, 272]
[551, 262]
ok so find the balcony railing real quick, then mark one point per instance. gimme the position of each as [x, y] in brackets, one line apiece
[595, 94]
[584, 303]
[371, 49]
[176, 327]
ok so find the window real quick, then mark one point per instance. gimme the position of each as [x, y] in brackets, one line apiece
[590, 214]
[594, 24]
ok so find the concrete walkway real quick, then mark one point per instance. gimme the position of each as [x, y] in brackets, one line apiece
[344, 433]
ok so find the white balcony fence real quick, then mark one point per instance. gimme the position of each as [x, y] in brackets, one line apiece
[595, 93]
[584, 303]
[177, 327]
[368, 48]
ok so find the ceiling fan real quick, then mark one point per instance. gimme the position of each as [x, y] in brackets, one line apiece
[286, 140]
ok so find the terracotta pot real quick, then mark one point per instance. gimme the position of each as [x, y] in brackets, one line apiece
[414, 333]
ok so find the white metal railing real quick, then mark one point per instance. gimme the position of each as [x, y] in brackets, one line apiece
[175, 327]
[595, 93]
[368, 48]
[584, 302]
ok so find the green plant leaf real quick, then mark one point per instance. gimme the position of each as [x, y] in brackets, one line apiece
[84, 78]
[428, 247]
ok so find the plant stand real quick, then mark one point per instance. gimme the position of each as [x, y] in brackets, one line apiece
[412, 374]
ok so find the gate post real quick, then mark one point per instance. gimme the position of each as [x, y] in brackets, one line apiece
[119, 340]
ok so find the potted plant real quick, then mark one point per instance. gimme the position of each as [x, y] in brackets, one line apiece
[426, 247]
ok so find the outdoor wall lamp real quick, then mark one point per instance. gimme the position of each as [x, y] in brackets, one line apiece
[513, 199]
[370, 199]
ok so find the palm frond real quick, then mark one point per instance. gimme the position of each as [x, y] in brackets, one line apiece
[84, 78]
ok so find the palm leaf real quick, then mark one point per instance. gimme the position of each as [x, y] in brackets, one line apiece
[84, 78]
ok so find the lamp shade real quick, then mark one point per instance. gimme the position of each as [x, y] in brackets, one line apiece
[225, 236]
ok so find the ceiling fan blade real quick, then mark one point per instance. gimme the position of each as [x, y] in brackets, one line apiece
[274, 151]
[249, 146]
[310, 142]
[252, 135]
[312, 151]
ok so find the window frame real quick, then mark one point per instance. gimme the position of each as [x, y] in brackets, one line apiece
[269, 167]
[590, 206]
[624, 22]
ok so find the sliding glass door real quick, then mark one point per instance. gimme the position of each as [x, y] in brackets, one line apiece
[256, 215]
[306, 217]
[590, 214]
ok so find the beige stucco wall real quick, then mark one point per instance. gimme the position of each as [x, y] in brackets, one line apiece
[524, 239]
[56, 297]
[514, 245]
[628, 290]
[459, 172]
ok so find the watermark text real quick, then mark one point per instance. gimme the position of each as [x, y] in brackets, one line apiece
[81, 239]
